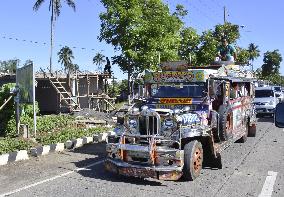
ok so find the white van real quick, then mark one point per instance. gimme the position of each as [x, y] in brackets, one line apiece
[265, 100]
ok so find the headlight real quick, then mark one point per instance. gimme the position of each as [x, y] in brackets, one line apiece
[271, 103]
[118, 130]
[132, 123]
[168, 127]
[169, 123]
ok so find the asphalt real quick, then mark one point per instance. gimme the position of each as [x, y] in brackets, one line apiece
[80, 173]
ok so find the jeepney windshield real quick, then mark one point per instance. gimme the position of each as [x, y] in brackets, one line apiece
[277, 88]
[178, 90]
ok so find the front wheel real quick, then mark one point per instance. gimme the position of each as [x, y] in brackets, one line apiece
[193, 159]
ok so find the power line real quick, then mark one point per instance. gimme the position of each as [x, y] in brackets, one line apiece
[42, 43]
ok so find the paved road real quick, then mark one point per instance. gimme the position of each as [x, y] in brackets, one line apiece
[249, 169]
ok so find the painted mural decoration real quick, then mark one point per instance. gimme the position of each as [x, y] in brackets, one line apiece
[176, 76]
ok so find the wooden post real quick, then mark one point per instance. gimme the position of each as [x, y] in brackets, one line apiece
[97, 85]
[77, 89]
[88, 90]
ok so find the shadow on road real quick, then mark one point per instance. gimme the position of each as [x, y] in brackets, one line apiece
[98, 171]
[98, 149]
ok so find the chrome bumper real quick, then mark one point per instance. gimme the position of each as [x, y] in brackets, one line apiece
[126, 169]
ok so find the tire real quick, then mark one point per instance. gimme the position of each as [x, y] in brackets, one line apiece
[193, 159]
[244, 138]
[225, 122]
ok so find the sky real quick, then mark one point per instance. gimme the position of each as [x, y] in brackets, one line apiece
[25, 34]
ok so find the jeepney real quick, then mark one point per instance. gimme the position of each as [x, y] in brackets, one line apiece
[188, 116]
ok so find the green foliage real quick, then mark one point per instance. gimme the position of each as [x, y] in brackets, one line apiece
[210, 39]
[12, 144]
[180, 11]
[208, 48]
[274, 79]
[68, 134]
[45, 124]
[9, 65]
[141, 30]
[243, 56]
[271, 66]
[189, 45]
[9, 110]
[229, 31]
[117, 88]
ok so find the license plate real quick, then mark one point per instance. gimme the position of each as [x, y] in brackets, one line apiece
[136, 172]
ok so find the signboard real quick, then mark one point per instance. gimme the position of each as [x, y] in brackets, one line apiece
[176, 76]
[25, 83]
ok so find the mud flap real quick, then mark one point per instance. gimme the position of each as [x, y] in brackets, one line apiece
[252, 130]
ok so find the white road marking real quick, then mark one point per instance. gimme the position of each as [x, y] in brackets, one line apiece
[267, 188]
[50, 179]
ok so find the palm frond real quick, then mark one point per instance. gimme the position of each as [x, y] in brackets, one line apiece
[37, 4]
[71, 3]
[57, 7]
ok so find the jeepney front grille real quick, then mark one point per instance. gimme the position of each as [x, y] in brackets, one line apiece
[149, 125]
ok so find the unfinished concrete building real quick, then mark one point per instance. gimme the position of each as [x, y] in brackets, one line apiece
[57, 92]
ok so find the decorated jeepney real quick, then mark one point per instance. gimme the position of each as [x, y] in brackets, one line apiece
[187, 117]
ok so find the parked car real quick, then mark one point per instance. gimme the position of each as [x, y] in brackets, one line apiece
[265, 100]
[279, 94]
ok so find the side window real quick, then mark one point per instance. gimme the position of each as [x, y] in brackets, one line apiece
[233, 91]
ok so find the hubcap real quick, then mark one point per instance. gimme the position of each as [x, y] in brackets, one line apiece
[197, 160]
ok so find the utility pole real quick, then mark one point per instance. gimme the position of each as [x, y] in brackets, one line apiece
[225, 15]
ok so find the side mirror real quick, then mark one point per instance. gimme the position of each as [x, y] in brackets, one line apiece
[279, 115]
[212, 88]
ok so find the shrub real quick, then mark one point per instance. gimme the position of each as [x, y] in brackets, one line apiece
[48, 123]
[8, 111]
[68, 134]
[13, 144]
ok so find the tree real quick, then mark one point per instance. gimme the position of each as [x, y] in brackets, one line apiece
[189, 45]
[55, 8]
[210, 39]
[243, 56]
[144, 32]
[208, 48]
[254, 52]
[9, 66]
[99, 59]
[229, 31]
[65, 56]
[271, 60]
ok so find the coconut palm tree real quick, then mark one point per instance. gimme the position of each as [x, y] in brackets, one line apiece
[55, 8]
[65, 56]
[99, 59]
[254, 52]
